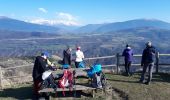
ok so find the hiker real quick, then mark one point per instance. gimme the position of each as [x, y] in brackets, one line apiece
[128, 56]
[40, 66]
[67, 58]
[147, 62]
[79, 58]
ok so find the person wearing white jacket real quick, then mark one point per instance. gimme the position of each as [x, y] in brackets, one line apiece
[79, 57]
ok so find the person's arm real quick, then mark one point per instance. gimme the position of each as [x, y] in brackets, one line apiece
[49, 63]
[143, 58]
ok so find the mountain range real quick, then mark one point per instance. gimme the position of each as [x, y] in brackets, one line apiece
[110, 27]
[96, 39]
[17, 25]
[8, 24]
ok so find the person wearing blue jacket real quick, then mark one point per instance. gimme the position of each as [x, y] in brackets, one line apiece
[147, 62]
[128, 57]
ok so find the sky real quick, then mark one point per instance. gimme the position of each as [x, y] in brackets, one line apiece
[82, 12]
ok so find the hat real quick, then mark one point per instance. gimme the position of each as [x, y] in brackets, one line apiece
[78, 48]
[149, 43]
[45, 53]
[127, 45]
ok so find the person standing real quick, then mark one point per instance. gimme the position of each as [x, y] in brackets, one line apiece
[128, 56]
[79, 58]
[67, 57]
[147, 61]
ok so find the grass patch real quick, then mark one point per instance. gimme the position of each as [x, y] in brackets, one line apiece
[159, 89]
[126, 88]
[18, 92]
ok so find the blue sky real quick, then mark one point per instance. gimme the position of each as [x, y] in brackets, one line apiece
[81, 12]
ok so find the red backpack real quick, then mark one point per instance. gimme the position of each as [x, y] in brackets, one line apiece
[66, 80]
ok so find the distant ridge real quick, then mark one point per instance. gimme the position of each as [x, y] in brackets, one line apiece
[104, 28]
[17, 25]
[10, 24]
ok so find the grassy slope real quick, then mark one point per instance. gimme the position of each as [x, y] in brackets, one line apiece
[159, 89]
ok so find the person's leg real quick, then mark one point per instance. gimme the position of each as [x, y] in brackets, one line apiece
[129, 65]
[126, 67]
[36, 88]
[143, 72]
[150, 72]
[76, 64]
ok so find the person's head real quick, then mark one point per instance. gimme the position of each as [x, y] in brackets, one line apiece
[78, 47]
[69, 48]
[148, 44]
[45, 55]
[128, 46]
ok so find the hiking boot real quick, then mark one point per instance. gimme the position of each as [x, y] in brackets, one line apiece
[142, 81]
[147, 83]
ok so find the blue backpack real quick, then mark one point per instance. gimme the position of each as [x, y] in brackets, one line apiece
[65, 66]
[94, 69]
[81, 65]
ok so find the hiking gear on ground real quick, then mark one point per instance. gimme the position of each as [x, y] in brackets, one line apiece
[66, 80]
[94, 69]
[81, 65]
[65, 66]
[98, 80]
[49, 82]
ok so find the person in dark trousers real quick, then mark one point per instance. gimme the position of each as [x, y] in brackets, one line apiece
[128, 56]
[40, 66]
[79, 56]
[147, 62]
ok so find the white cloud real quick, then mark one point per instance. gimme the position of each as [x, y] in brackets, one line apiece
[61, 18]
[42, 10]
[65, 16]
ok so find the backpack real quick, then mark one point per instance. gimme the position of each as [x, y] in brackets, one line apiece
[94, 69]
[65, 66]
[48, 80]
[81, 65]
[66, 80]
[98, 80]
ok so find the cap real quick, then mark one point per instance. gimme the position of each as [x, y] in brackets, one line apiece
[45, 53]
[78, 48]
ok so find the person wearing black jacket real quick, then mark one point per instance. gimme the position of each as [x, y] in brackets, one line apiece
[67, 57]
[40, 66]
[147, 62]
